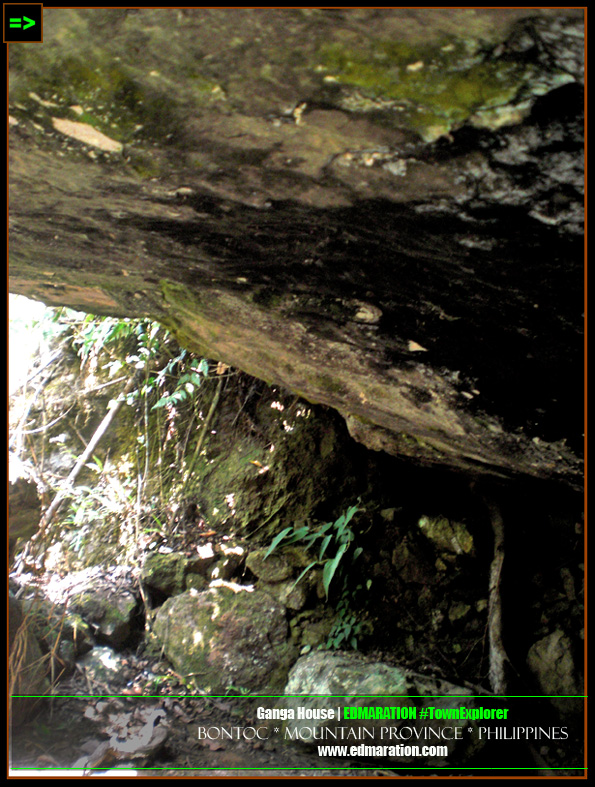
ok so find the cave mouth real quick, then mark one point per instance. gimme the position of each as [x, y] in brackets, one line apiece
[223, 483]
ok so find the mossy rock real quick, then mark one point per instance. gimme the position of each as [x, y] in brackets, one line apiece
[274, 568]
[111, 612]
[165, 573]
[447, 536]
[229, 636]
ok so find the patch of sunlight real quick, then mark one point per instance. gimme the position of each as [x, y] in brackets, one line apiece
[54, 557]
[28, 337]
[230, 500]
[197, 639]
[205, 550]
[108, 661]
[233, 550]
[222, 583]
[16, 468]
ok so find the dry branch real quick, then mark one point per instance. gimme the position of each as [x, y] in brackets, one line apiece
[99, 432]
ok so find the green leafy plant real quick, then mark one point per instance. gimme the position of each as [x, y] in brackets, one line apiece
[144, 341]
[334, 537]
[156, 440]
[334, 542]
[95, 333]
[186, 384]
[349, 627]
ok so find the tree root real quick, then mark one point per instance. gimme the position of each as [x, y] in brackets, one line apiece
[500, 664]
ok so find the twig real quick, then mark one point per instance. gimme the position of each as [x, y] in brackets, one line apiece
[16, 436]
[206, 425]
[45, 427]
[103, 385]
[54, 356]
[99, 432]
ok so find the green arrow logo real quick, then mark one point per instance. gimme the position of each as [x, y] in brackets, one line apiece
[15, 21]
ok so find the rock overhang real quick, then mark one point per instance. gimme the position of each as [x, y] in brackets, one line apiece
[426, 285]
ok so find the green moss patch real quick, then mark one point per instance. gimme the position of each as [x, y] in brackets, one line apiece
[431, 88]
[108, 96]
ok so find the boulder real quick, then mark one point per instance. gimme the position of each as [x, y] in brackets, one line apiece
[352, 680]
[227, 636]
[165, 572]
[288, 593]
[106, 597]
[446, 535]
[276, 577]
[271, 569]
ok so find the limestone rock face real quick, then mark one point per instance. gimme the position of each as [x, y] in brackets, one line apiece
[379, 209]
[230, 635]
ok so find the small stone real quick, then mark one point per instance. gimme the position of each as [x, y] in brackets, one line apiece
[288, 593]
[398, 168]
[388, 514]
[448, 536]
[367, 313]
[274, 568]
[458, 611]
[83, 132]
